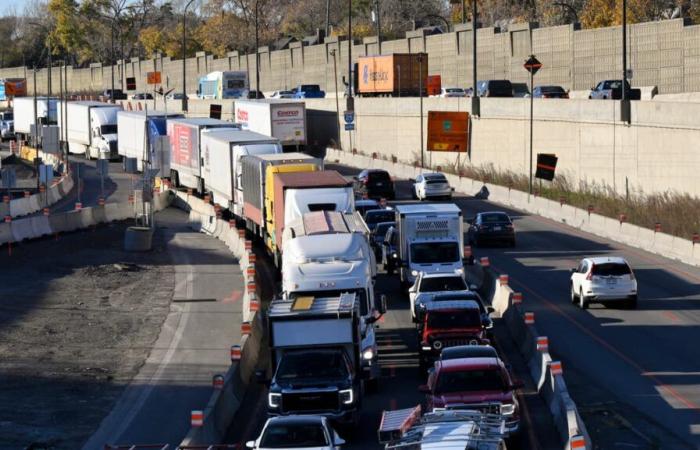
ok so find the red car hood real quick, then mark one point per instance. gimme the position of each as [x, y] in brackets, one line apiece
[470, 398]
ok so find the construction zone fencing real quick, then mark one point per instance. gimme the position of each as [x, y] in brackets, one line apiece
[12, 231]
[534, 347]
[616, 229]
[209, 424]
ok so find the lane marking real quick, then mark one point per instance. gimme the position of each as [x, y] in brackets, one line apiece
[233, 297]
[670, 315]
[669, 389]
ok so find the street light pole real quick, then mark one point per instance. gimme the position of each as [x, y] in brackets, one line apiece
[184, 56]
[257, 52]
[420, 94]
[379, 29]
[532, 110]
[625, 104]
[111, 93]
[337, 100]
[350, 106]
[476, 105]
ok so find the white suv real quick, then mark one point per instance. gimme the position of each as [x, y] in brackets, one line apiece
[603, 279]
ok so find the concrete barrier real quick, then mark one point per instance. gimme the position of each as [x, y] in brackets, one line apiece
[118, 211]
[6, 233]
[59, 223]
[98, 214]
[73, 220]
[19, 207]
[610, 228]
[86, 219]
[22, 229]
[40, 226]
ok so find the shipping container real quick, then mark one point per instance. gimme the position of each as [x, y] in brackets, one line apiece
[254, 174]
[133, 128]
[221, 170]
[281, 119]
[186, 158]
[398, 75]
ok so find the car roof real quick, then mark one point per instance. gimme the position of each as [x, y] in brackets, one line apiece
[378, 210]
[459, 364]
[482, 213]
[607, 259]
[375, 171]
[456, 295]
[433, 175]
[366, 202]
[452, 305]
[468, 351]
[454, 274]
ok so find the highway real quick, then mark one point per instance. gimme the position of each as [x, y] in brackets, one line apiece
[641, 366]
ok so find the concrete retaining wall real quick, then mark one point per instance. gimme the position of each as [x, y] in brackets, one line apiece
[660, 243]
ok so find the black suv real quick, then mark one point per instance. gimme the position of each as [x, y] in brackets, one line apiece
[494, 88]
[374, 183]
[118, 94]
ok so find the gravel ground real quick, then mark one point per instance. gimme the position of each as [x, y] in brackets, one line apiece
[78, 317]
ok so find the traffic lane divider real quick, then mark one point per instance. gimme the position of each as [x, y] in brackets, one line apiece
[21, 229]
[40, 226]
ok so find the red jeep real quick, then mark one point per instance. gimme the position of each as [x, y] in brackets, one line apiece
[449, 324]
[481, 384]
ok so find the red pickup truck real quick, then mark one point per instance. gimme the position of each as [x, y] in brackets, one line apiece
[481, 384]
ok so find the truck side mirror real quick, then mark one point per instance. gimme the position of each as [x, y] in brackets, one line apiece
[382, 304]
[250, 444]
[490, 309]
[337, 440]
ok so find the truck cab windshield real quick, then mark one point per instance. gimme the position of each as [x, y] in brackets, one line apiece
[451, 320]
[434, 252]
[470, 380]
[312, 364]
[108, 129]
[360, 293]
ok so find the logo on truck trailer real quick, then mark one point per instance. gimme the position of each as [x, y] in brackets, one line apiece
[288, 113]
[242, 115]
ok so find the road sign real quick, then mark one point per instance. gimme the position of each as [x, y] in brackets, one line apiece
[546, 165]
[153, 77]
[349, 116]
[349, 126]
[130, 83]
[9, 178]
[103, 167]
[448, 131]
[532, 65]
[45, 174]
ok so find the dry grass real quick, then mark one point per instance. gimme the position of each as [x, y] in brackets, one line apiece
[678, 214]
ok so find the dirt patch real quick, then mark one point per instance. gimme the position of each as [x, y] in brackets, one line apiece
[78, 317]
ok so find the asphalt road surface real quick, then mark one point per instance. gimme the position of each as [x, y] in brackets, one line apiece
[635, 374]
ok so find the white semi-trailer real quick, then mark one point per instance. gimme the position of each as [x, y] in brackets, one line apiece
[281, 119]
[90, 128]
[143, 135]
[25, 117]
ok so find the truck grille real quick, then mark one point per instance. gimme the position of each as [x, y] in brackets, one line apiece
[310, 401]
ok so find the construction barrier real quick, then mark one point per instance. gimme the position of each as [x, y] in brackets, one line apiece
[99, 215]
[40, 226]
[21, 229]
[5, 232]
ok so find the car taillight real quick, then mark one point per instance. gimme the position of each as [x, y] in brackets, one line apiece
[510, 226]
[590, 274]
[565, 96]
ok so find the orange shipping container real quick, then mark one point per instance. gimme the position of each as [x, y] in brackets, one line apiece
[396, 74]
[434, 84]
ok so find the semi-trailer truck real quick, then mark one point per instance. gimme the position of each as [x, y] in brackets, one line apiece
[90, 128]
[281, 119]
[222, 169]
[143, 135]
[397, 75]
[26, 116]
[186, 156]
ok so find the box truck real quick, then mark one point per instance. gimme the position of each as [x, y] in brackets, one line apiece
[281, 119]
[315, 357]
[221, 85]
[186, 158]
[143, 135]
[397, 75]
[256, 170]
[430, 239]
[25, 117]
[90, 128]
[221, 169]
[293, 194]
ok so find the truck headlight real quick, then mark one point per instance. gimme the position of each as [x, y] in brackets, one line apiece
[346, 396]
[274, 400]
[508, 409]
[368, 354]
[426, 348]
[414, 273]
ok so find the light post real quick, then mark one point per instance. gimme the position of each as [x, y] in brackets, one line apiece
[350, 104]
[257, 53]
[476, 105]
[337, 101]
[379, 28]
[184, 56]
[532, 65]
[625, 103]
[420, 94]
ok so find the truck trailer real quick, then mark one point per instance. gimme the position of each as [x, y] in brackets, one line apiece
[396, 75]
[25, 117]
[90, 128]
[281, 119]
[222, 172]
[186, 156]
[143, 135]
[256, 170]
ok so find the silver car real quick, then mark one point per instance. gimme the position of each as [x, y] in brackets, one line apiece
[431, 185]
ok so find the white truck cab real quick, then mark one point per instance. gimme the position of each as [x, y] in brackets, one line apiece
[331, 264]
[431, 239]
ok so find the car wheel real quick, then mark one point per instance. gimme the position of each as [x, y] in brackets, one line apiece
[582, 300]
[574, 297]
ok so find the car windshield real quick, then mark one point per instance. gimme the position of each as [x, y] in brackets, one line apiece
[360, 293]
[463, 296]
[7, 116]
[294, 435]
[108, 129]
[611, 270]
[434, 252]
[552, 89]
[310, 88]
[470, 380]
[452, 283]
[468, 351]
[316, 364]
[495, 218]
[379, 215]
[381, 230]
[449, 320]
[378, 176]
[617, 84]
[435, 179]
